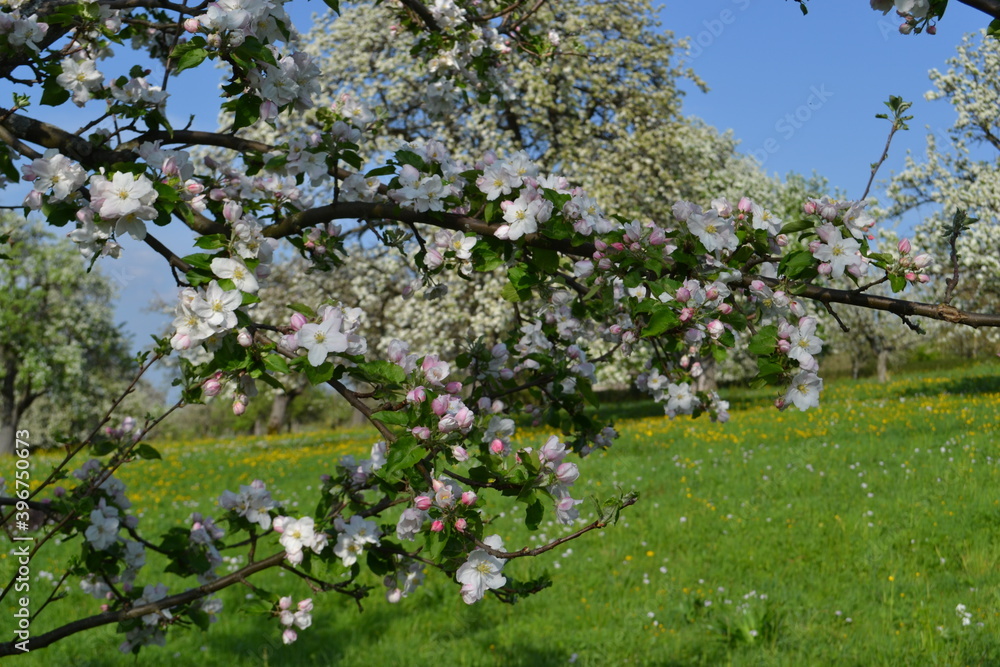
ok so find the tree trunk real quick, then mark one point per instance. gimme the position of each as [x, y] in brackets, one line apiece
[279, 412]
[856, 366]
[882, 366]
[707, 381]
[8, 429]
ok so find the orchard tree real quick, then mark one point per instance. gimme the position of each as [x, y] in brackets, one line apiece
[616, 131]
[694, 282]
[959, 180]
[58, 341]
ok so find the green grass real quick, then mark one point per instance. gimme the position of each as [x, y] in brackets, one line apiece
[858, 528]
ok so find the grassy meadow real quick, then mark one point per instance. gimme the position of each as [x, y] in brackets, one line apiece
[846, 535]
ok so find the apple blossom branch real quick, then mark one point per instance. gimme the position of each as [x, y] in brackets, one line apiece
[106, 618]
[627, 501]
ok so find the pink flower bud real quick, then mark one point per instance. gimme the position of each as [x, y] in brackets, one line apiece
[784, 347]
[211, 387]
[240, 405]
[440, 405]
[285, 603]
[779, 403]
[104, 607]
[422, 503]
[604, 264]
[461, 525]
[825, 269]
[306, 605]
[712, 293]
[567, 473]
[496, 446]
[781, 240]
[191, 25]
[745, 205]
[437, 526]
[417, 395]
[856, 270]
[809, 208]
[725, 308]
[814, 246]
[683, 294]
[657, 237]
[297, 321]
[715, 328]
[393, 595]
[686, 314]
[600, 245]
[180, 341]
[685, 361]
[421, 432]
[618, 246]
[932, 30]
[469, 498]
[903, 246]
[453, 387]
[244, 338]
[59, 492]
[289, 636]
[922, 260]
[924, 278]
[910, 275]
[905, 28]
[459, 453]
[217, 194]
[796, 308]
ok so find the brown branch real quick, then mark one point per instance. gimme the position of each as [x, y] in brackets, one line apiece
[901, 307]
[106, 618]
[364, 210]
[991, 7]
[507, 555]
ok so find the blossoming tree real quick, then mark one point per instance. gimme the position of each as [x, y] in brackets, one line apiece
[712, 276]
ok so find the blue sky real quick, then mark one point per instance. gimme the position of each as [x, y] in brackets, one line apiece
[799, 92]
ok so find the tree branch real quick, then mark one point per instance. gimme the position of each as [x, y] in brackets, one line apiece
[900, 307]
[991, 7]
[190, 595]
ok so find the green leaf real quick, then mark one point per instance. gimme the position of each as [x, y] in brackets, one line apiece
[898, 283]
[663, 319]
[514, 295]
[392, 417]
[546, 260]
[381, 171]
[333, 4]
[144, 451]
[52, 93]
[764, 342]
[7, 167]
[797, 226]
[247, 112]
[276, 363]
[319, 374]
[211, 241]
[380, 372]
[404, 453]
[187, 55]
[303, 308]
[796, 263]
[993, 30]
[534, 514]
